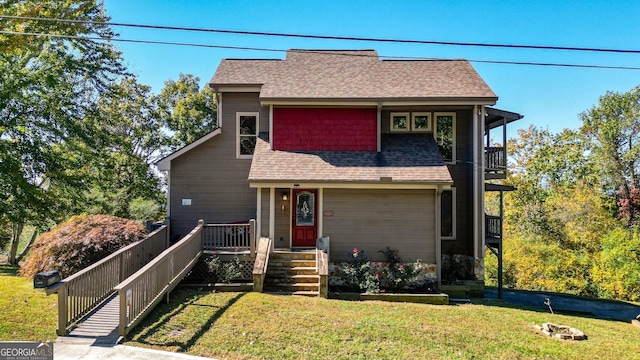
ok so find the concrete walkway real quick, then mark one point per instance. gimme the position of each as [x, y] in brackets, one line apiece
[66, 348]
[602, 309]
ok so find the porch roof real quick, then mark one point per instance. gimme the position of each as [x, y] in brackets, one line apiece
[405, 158]
[342, 75]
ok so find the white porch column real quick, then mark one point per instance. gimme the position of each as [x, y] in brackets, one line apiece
[481, 162]
[258, 213]
[379, 126]
[272, 215]
[475, 165]
[438, 235]
[320, 211]
[270, 127]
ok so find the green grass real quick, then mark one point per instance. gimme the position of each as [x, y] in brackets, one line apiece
[25, 314]
[261, 326]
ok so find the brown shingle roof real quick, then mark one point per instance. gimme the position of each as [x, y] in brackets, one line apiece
[315, 74]
[404, 158]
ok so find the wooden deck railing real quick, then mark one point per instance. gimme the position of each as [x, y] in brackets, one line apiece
[142, 291]
[230, 237]
[81, 292]
[493, 226]
[495, 160]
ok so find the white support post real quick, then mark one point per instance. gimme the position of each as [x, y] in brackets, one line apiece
[475, 165]
[320, 211]
[481, 173]
[258, 213]
[379, 126]
[438, 235]
[270, 127]
[272, 215]
[219, 109]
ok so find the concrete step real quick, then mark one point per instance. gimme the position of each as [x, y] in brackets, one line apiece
[288, 279]
[299, 293]
[295, 255]
[287, 270]
[291, 263]
[291, 287]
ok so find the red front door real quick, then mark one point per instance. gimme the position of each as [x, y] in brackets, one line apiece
[304, 217]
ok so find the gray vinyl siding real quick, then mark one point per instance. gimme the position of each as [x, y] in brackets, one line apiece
[373, 219]
[462, 175]
[461, 172]
[211, 175]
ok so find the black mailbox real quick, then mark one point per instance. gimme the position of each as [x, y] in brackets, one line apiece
[45, 279]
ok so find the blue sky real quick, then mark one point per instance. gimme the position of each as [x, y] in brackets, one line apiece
[549, 97]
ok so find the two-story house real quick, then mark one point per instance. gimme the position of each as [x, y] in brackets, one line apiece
[371, 153]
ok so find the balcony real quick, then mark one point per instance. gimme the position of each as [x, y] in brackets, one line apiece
[495, 159]
[496, 156]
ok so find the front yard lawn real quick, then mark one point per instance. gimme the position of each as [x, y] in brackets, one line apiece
[25, 314]
[262, 326]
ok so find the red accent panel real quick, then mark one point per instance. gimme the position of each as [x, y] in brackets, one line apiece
[329, 129]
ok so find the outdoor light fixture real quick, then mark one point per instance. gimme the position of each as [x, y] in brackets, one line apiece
[285, 196]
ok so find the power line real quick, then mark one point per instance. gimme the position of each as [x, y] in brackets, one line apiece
[500, 62]
[333, 37]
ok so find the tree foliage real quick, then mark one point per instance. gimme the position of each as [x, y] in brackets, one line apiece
[614, 129]
[47, 116]
[80, 242]
[189, 112]
[571, 225]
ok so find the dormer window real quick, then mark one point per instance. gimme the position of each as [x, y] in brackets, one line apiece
[247, 134]
[399, 122]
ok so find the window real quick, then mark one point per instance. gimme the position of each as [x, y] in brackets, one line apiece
[445, 124]
[448, 214]
[247, 134]
[421, 121]
[399, 122]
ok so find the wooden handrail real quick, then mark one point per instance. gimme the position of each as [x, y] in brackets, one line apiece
[143, 290]
[83, 291]
[261, 264]
[322, 265]
[234, 237]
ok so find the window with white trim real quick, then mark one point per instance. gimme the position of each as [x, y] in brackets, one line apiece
[448, 214]
[445, 135]
[399, 121]
[246, 133]
[421, 121]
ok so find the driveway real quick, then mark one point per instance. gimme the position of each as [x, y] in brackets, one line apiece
[570, 305]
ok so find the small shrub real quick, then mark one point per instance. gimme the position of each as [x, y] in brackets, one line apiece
[392, 275]
[225, 272]
[79, 242]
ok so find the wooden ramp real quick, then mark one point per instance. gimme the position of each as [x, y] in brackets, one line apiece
[99, 326]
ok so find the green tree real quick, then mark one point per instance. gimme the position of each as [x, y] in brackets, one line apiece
[613, 126]
[189, 113]
[131, 139]
[48, 87]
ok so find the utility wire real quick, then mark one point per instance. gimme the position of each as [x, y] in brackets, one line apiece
[501, 62]
[331, 37]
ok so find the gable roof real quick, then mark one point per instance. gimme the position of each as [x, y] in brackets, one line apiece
[405, 158]
[352, 75]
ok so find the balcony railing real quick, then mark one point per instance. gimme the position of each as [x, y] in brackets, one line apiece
[495, 162]
[493, 226]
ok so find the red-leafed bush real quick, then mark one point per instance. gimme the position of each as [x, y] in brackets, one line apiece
[79, 242]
